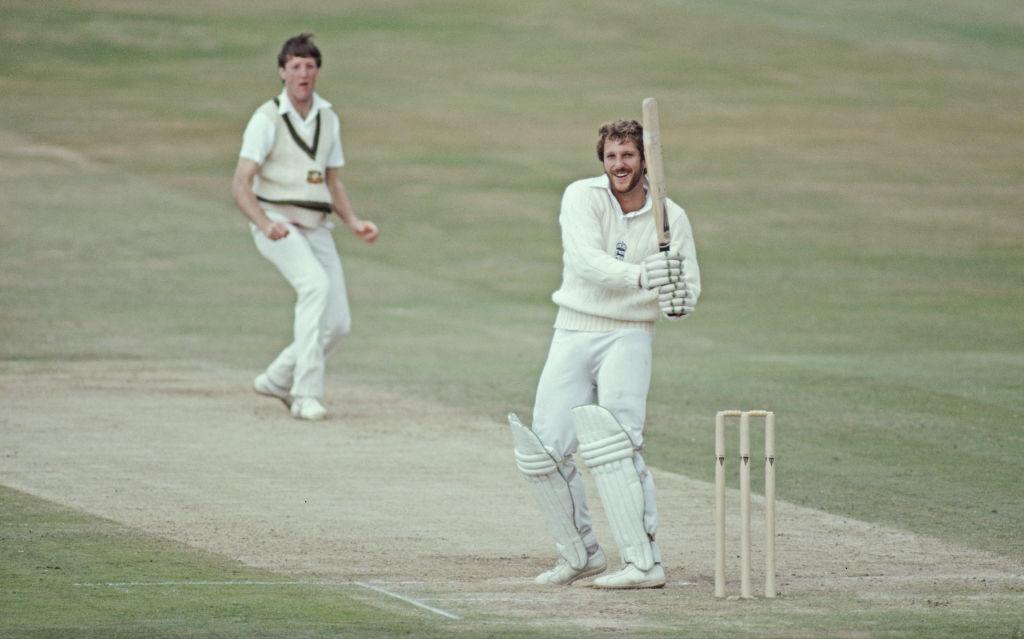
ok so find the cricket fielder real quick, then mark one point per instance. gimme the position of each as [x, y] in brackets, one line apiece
[592, 395]
[287, 184]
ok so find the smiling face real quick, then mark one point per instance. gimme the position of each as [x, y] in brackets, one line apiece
[299, 75]
[624, 166]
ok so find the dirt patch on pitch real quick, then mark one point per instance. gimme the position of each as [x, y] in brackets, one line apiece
[407, 494]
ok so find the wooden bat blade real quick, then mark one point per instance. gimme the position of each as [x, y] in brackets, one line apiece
[655, 170]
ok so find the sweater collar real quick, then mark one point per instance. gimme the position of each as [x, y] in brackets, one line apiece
[285, 106]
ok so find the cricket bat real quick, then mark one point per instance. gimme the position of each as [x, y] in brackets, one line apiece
[655, 171]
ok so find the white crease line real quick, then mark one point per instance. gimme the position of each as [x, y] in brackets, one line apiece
[157, 584]
[164, 584]
[408, 600]
[927, 577]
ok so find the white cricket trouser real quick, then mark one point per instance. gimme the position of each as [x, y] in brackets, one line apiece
[608, 368]
[309, 260]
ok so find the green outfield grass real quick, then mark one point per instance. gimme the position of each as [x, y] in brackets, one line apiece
[852, 171]
[70, 575]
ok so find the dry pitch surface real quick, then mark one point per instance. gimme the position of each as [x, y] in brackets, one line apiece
[405, 494]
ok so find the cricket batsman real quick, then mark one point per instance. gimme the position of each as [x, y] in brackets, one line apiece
[592, 394]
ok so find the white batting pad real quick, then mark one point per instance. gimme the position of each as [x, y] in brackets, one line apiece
[551, 491]
[607, 451]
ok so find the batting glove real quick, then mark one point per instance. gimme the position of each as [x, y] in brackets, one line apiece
[661, 269]
[676, 301]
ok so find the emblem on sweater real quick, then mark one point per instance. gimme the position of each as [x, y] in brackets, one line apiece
[315, 177]
[620, 250]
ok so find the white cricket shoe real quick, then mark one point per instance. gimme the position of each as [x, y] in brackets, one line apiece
[264, 386]
[563, 574]
[308, 408]
[632, 577]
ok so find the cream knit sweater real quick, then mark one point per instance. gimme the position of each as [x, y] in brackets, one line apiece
[602, 253]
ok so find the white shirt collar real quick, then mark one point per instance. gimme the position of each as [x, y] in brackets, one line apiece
[603, 182]
[285, 106]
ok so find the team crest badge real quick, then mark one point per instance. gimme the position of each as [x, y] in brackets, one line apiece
[315, 177]
[620, 251]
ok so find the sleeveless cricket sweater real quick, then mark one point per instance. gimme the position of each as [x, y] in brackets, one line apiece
[293, 173]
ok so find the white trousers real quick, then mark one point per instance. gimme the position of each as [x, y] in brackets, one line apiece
[611, 369]
[308, 259]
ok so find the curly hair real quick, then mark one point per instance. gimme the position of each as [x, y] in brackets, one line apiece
[619, 131]
[300, 46]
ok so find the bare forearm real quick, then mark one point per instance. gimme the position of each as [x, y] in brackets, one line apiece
[341, 203]
[364, 229]
[245, 199]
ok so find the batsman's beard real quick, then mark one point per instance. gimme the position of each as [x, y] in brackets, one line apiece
[634, 182]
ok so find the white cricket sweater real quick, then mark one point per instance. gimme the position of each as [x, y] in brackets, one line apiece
[602, 253]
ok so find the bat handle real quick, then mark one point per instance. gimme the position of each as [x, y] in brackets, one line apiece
[664, 236]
